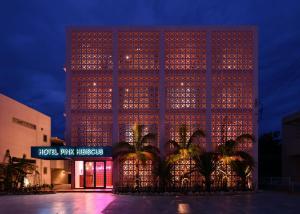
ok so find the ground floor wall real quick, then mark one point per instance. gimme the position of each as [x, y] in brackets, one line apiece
[59, 176]
[104, 173]
[44, 171]
[60, 173]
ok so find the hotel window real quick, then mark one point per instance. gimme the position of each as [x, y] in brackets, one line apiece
[45, 170]
[45, 138]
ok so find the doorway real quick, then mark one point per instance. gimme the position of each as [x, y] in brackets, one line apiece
[93, 174]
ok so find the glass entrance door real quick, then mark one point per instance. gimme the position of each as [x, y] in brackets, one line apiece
[100, 174]
[108, 173]
[97, 174]
[89, 174]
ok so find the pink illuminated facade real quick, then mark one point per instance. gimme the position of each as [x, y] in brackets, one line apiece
[203, 77]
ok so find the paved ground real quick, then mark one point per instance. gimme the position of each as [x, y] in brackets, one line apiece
[61, 203]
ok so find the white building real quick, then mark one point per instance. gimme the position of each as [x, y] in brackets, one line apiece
[20, 128]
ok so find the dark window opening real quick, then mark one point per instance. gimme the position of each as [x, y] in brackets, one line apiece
[69, 178]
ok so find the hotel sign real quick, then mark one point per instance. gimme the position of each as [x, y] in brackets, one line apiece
[63, 152]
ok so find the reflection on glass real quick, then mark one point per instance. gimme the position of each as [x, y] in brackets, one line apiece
[99, 174]
[109, 165]
[79, 183]
[89, 174]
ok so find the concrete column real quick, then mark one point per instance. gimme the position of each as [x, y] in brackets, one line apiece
[255, 101]
[68, 118]
[162, 94]
[208, 91]
[115, 104]
[68, 72]
[115, 90]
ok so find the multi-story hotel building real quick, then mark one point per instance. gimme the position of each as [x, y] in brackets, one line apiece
[203, 77]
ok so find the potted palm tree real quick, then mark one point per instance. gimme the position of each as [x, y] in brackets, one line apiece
[163, 172]
[16, 171]
[206, 164]
[242, 169]
[141, 149]
[229, 153]
[185, 148]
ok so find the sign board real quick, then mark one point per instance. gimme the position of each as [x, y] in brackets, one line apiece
[63, 152]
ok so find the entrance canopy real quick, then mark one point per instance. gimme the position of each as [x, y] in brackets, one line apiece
[67, 152]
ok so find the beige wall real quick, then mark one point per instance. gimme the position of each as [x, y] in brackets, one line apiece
[59, 176]
[19, 138]
[60, 164]
[59, 171]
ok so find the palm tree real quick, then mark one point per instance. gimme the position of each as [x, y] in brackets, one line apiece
[15, 172]
[243, 169]
[206, 164]
[229, 152]
[22, 169]
[185, 148]
[140, 149]
[163, 171]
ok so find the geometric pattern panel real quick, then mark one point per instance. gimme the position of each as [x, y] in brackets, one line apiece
[185, 51]
[185, 82]
[232, 85]
[232, 50]
[91, 51]
[91, 129]
[227, 126]
[138, 51]
[192, 122]
[232, 90]
[91, 92]
[182, 177]
[128, 120]
[129, 170]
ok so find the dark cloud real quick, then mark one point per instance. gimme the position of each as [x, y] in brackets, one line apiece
[32, 44]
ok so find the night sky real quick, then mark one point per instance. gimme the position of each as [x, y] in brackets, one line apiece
[32, 45]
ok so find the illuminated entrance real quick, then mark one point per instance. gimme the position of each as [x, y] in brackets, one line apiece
[93, 174]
